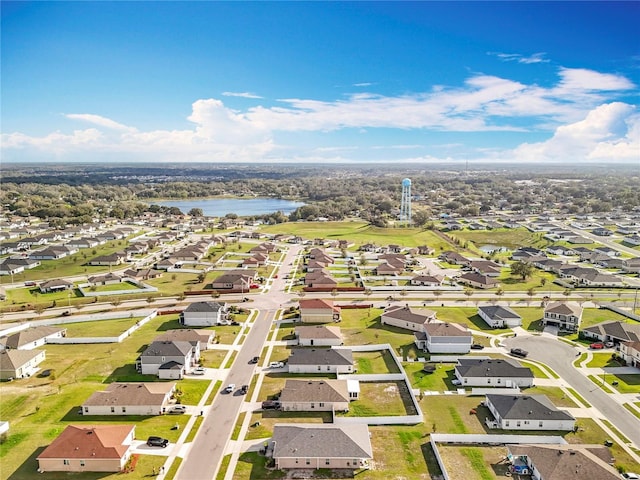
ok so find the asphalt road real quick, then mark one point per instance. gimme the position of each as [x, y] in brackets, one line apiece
[560, 356]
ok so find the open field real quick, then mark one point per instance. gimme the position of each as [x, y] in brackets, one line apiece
[102, 328]
[213, 358]
[511, 238]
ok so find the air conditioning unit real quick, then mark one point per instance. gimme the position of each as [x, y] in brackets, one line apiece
[524, 471]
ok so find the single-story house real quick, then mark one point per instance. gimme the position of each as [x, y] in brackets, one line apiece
[427, 280]
[564, 315]
[567, 462]
[477, 280]
[318, 336]
[55, 285]
[386, 268]
[527, 412]
[444, 337]
[106, 279]
[407, 317]
[203, 314]
[108, 260]
[631, 265]
[613, 331]
[316, 395]
[492, 372]
[168, 360]
[320, 279]
[454, 258]
[485, 267]
[497, 316]
[314, 446]
[31, 338]
[317, 310]
[19, 363]
[234, 280]
[202, 338]
[135, 398]
[321, 360]
[143, 274]
[99, 448]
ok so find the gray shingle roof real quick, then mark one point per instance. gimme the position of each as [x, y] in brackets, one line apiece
[619, 330]
[321, 441]
[201, 307]
[528, 407]
[314, 391]
[321, 356]
[492, 367]
[498, 312]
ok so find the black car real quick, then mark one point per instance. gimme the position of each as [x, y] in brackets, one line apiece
[157, 442]
[254, 360]
[244, 389]
[270, 404]
[477, 346]
[518, 352]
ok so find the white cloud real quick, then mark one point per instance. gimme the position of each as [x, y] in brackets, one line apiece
[575, 110]
[610, 132]
[363, 84]
[99, 121]
[241, 94]
[516, 57]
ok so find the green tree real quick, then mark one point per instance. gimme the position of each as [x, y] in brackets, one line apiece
[522, 269]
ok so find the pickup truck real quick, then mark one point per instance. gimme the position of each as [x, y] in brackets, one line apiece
[518, 352]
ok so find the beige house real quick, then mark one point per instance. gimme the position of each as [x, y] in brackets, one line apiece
[316, 395]
[203, 338]
[99, 448]
[31, 338]
[20, 363]
[314, 446]
[318, 336]
[317, 310]
[630, 353]
[444, 337]
[320, 360]
[136, 398]
[407, 317]
[566, 316]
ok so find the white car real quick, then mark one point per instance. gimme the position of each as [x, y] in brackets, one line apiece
[230, 388]
[199, 371]
[631, 476]
[455, 381]
[276, 365]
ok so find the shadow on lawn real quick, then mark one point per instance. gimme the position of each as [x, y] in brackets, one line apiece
[169, 325]
[29, 470]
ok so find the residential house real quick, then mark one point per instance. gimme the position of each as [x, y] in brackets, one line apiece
[564, 315]
[527, 412]
[597, 279]
[477, 280]
[166, 264]
[316, 395]
[318, 336]
[197, 338]
[20, 363]
[315, 446]
[631, 241]
[11, 266]
[320, 279]
[567, 462]
[386, 268]
[235, 280]
[321, 360]
[485, 267]
[427, 280]
[426, 250]
[53, 252]
[320, 256]
[31, 338]
[106, 279]
[560, 250]
[315, 265]
[613, 331]
[444, 337]
[168, 360]
[630, 353]
[55, 285]
[317, 310]
[134, 398]
[143, 274]
[204, 314]
[497, 316]
[257, 260]
[84, 242]
[579, 240]
[631, 265]
[602, 232]
[492, 372]
[108, 260]
[454, 258]
[86, 448]
[407, 317]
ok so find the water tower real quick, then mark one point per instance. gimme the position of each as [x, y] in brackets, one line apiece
[405, 204]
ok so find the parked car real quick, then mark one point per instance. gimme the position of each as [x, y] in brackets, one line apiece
[631, 476]
[199, 371]
[254, 360]
[230, 388]
[157, 442]
[178, 409]
[244, 389]
[597, 345]
[477, 346]
[455, 381]
[609, 344]
[270, 405]
[276, 365]
[66, 313]
[518, 352]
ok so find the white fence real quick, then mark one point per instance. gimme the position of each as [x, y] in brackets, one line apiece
[473, 439]
[142, 288]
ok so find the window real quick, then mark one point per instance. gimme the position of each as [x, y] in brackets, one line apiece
[518, 423]
[86, 409]
[66, 462]
[124, 409]
[327, 462]
[319, 367]
[499, 380]
[113, 409]
[308, 462]
[82, 463]
[313, 405]
[321, 404]
[506, 424]
[540, 423]
[328, 367]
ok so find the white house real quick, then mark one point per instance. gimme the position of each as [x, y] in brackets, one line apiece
[318, 335]
[316, 395]
[203, 314]
[497, 316]
[527, 412]
[317, 310]
[168, 360]
[630, 353]
[320, 360]
[407, 317]
[20, 363]
[444, 337]
[31, 338]
[492, 372]
[135, 398]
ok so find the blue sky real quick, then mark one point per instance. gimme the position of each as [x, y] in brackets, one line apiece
[321, 82]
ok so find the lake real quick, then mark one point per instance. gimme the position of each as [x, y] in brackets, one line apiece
[219, 207]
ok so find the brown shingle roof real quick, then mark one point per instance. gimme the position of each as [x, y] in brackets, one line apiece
[99, 441]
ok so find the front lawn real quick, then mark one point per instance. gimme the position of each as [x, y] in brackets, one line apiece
[627, 383]
[601, 360]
